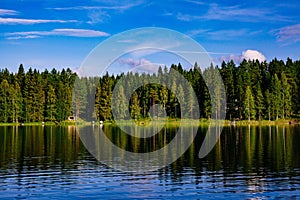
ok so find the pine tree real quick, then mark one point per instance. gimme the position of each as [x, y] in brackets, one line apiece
[268, 100]
[106, 84]
[80, 97]
[286, 97]
[182, 101]
[227, 72]
[277, 92]
[50, 104]
[120, 106]
[38, 97]
[249, 105]
[163, 96]
[173, 102]
[259, 102]
[135, 109]
[17, 103]
[28, 96]
[190, 104]
[5, 104]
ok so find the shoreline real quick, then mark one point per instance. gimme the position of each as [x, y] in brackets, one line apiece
[146, 122]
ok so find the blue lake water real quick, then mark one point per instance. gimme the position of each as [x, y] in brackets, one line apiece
[257, 162]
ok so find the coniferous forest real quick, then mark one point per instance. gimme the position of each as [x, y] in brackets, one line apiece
[254, 91]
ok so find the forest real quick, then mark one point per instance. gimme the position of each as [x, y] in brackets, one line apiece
[254, 91]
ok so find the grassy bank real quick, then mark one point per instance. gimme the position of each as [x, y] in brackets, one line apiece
[203, 122]
[63, 123]
[171, 121]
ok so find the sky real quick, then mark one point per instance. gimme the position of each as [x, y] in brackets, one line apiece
[58, 34]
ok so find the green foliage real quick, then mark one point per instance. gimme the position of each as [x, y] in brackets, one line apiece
[249, 105]
[135, 109]
[259, 103]
[254, 90]
[35, 96]
[121, 107]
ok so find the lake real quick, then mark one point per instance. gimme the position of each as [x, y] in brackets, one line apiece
[252, 162]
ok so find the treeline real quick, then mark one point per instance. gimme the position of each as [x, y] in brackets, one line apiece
[34, 97]
[254, 91]
[264, 90]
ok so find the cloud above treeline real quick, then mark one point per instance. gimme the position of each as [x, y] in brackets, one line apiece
[247, 55]
[139, 65]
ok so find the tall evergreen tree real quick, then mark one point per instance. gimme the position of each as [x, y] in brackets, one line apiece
[277, 94]
[5, 98]
[249, 105]
[135, 109]
[268, 100]
[50, 104]
[286, 97]
[80, 97]
[259, 102]
[17, 103]
[106, 84]
[120, 103]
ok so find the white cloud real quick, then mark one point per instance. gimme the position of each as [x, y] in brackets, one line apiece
[140, 65]
[123, 7]
[253, 55]
[31, 21]
[100, 14]
[235, 13]
[110, 6]
[98, 17]
[195, 2]
[57, 32]
[247, 55]
[222, 34]
[8, 12]
[23, 37]
[288, 33]
[134, 62]
[79, 32]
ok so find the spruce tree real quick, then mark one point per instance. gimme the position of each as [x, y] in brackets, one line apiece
[286, 97]
[135, 109]
[249, 105]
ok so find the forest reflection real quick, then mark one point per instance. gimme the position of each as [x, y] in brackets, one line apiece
[240, 148]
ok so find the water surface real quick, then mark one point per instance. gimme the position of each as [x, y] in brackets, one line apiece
[259, 162]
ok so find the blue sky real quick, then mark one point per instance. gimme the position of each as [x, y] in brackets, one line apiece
[55, 33]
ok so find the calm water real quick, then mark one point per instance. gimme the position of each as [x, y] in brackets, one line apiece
[247, 162]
